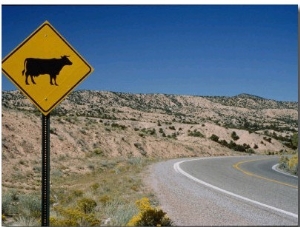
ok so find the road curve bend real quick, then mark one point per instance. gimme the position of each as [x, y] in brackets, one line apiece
[239, 190]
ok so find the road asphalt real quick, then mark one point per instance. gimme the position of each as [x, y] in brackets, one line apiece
[225, 191]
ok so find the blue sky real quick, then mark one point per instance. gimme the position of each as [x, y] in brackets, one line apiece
[218, 50]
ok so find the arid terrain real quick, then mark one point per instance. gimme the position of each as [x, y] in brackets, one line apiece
[90, 126]
[155, 125]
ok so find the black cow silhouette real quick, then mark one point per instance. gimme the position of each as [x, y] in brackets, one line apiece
[34, 67]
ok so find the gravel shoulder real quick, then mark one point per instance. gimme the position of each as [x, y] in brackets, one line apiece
[189, 203]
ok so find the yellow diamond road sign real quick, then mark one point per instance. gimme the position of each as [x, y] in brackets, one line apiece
[45, 67]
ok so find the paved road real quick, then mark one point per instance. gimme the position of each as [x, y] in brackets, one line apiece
[226, 191]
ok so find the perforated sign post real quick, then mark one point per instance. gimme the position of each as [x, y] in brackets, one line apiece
[45, 68]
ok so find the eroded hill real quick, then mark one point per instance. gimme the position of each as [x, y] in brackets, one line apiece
[110, 124]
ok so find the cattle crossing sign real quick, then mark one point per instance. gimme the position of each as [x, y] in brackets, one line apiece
[45, 67]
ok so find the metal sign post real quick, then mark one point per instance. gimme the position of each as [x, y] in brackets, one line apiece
[45, 169]
[45, 52]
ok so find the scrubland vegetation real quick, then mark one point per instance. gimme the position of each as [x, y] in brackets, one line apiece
[289, 164]
[112, 194]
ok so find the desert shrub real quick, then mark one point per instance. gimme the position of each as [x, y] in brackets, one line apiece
[116, 125]
[140, 148]
[142, 135]
[104, 199]
[30, 206]
[223, 142]
[195, 133]
[148, 215]
[37, 169]
[143, 152]
[293, 164]
[283, 162]
[73, 217]
[214, 138]
[95, 186]
[98, 151]
[172, 127]
[77, 193]
[63, 222]
[138, 145]
[6, 204]
[152, 132]
[162, 132]
[148, 131]
[25, 208]
[21, 220]
[172, 136]
[250, 151]
[57, 173]
[136, 161]
[234, 136]
[119, 212]
[246, 146]
[86, 205]
[289, 164]
[268, 139]
[294, 140]
[9, 203]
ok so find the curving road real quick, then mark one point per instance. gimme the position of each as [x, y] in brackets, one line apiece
[242, 190]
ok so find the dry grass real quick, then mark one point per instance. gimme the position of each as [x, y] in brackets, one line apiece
[113, 183]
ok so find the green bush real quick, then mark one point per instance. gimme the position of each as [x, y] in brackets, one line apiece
[214, 138]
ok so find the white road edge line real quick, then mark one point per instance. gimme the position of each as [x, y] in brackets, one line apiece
[179, 170]
[275, 168]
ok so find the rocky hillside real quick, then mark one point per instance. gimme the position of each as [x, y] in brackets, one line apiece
[109, 124]
[242, 111]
